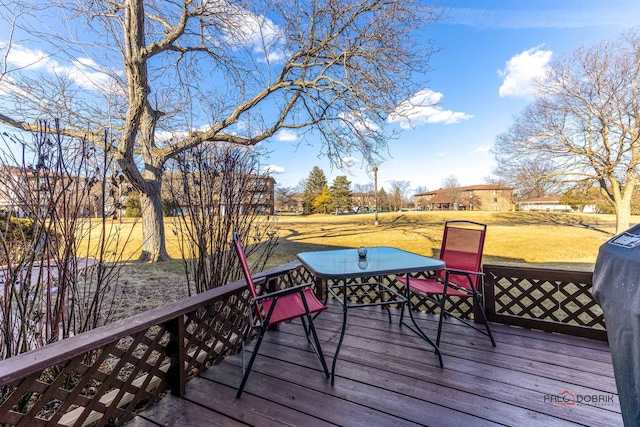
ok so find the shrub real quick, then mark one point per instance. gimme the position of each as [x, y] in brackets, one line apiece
[133, 207]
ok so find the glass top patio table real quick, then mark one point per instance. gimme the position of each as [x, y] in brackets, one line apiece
[380, 261]
[344, 264]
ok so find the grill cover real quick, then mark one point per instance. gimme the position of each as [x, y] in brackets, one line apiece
[616, 287]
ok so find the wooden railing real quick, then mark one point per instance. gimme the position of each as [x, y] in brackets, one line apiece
[104, 376]
[550, 300]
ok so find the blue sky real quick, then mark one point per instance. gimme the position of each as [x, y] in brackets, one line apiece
[490, 51]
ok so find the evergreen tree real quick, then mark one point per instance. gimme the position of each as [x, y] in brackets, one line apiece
[133, 207]
[383, 200]
[315, 184]
[341, 195]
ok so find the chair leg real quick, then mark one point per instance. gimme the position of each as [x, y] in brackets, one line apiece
[441, 302]
[478, 299]
[244, 369]
[407, 295]
[243, 343]
[415, 328]
[307, 330]
[317, 348]
[245, 376]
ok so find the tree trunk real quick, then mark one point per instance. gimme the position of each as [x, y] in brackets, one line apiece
[153, 248]
[623, 212]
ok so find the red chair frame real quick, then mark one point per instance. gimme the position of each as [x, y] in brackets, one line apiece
[461, 250]
[276, 307]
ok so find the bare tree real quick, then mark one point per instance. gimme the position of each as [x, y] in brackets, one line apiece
[529, 176]
[578, 197]
[60, 270]
[220, 191]
[420, 189]
[364, 188]
[285, 198]
[163, 77]
[451, 187]
[416, 201]
[398, 195]
[585, 121]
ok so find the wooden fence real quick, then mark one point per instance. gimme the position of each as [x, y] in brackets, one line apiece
[104, 376]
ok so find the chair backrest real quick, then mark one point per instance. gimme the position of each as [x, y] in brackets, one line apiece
[462, 247]
[237, 245]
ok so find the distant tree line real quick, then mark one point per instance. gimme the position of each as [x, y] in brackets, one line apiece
[315, 195]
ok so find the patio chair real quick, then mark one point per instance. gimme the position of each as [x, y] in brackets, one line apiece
[272, 308]
[461, 250]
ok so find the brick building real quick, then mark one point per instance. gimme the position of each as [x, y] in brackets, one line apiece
[483, 197]
[254, 193]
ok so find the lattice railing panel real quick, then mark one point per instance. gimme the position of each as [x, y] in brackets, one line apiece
[459, 306]
[554, 300]
[97, 386]
[104, 376]
[302, 275]
[367, 290]
[214, 331]
[549, 300]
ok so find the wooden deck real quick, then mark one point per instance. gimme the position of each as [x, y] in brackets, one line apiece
[386, 376]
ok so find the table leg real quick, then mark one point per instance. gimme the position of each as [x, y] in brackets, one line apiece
[383, 299]
[344, 325]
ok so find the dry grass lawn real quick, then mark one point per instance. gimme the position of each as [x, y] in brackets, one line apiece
[566, 241]
[547, 239]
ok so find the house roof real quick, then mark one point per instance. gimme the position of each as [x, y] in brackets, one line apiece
[470, 188]
[440, 197]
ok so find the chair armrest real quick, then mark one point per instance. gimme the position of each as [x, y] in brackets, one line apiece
[283, 292]
[263, 279]
[456, 271]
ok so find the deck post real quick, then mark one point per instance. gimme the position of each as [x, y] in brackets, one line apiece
[176, 375]
[488, 297]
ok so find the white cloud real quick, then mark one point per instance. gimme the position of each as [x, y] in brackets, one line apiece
[348, 162]
[243, 28]
[273, 169]
[166, 136]
[21, 57]
[269, 54]
[250, 29]
[82, 71]
[422, 108]
[359, 121]
[482, 149]
[521, 72]
[286, 135]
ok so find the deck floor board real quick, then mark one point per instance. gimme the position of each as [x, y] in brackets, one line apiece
[387, 376]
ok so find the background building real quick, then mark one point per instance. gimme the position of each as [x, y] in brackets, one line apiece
[551, 204]
[483, 197]
[254, 193]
